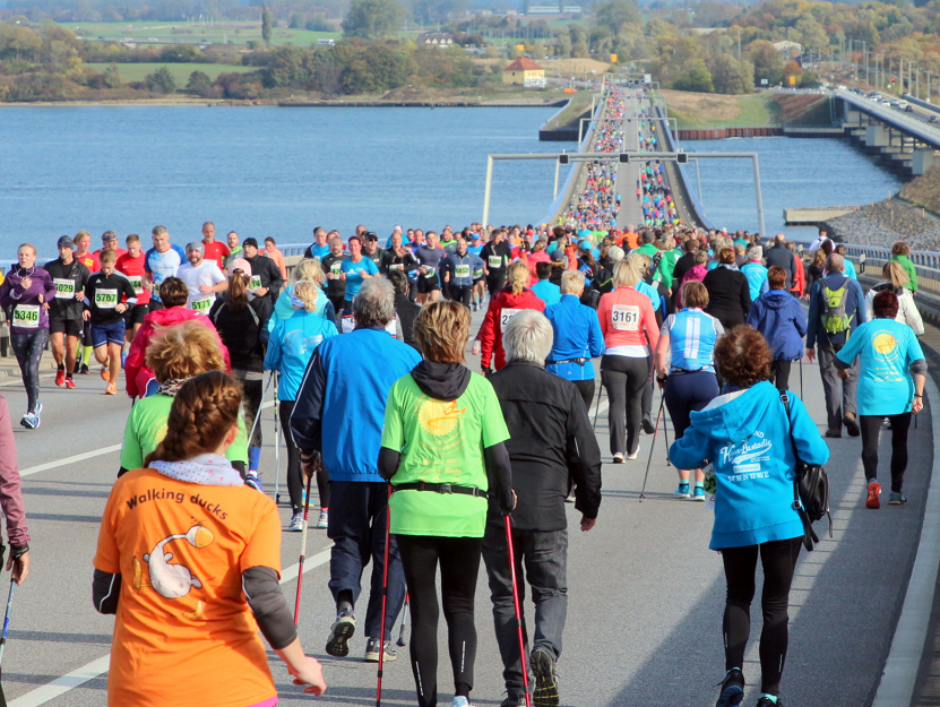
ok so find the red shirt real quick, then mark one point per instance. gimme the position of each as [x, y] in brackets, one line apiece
[217, 251]
[90, 261]
[134, 269]
[96, 258]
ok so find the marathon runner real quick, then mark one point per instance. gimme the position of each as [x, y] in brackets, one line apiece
[162, 261]
[109, 241]
[235, 251]
[203, 278]
[133, 266]
[266, 280]
[332, 265]
[105, 303]
[86, 258]
[354, 270]
[65, 309]
[214, 250]
[496, 255]
[458, 268]
[397, 257]
[429, 259]
[23, 293]
[320, 247]
[371, 250]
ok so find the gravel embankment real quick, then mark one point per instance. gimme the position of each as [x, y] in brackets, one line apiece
[886, 222]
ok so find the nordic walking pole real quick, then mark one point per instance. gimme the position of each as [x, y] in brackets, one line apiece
[666, 436]
[260, 406]
[801, 377]
[277, 450]
[303, 553]
[652, 447]
[6, 618]
[404, 619]
[388, 527]
[515, 600]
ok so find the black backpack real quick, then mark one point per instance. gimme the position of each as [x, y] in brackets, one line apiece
[810, 489]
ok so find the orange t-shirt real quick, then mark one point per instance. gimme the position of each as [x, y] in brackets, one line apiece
[184, 634]
[629, 241]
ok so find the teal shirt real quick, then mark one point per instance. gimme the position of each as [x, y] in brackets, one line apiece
[887, 349]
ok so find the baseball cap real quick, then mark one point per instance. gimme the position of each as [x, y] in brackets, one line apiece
[66, 242]
[475, 236]
[585, 244]
[559, 254]
[370, 236]
[196, 245]
[615, 253]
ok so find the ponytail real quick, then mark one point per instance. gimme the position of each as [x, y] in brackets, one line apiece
[237, 290]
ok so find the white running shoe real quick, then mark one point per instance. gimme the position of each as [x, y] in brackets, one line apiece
[296, 523]
[635, 453]
[324, 520]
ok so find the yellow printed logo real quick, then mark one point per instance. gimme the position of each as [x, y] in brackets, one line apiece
[884, 343]
[440, 417]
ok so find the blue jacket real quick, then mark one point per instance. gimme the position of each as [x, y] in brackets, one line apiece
[340, 408]
[747, 437]
[577, 335]
[854, 305]
[291, 347]
[548, 292]
[756, 275]
[779, 316]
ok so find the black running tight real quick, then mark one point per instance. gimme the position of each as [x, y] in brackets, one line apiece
[295, 480]
[778, 558]
[871, 432]
[459, 559]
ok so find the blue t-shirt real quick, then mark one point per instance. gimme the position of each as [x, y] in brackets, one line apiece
[756, 275]
[547, 291]
[318, 252]
[887, 349]
[692, 338]
[354, 272]
[163, 265]
[850, 269]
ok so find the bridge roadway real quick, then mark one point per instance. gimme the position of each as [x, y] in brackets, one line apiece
[912, 124]
[628, 175]
[646, 594]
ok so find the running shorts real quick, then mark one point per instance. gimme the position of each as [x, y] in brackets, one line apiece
[69, 327]
[102, 334]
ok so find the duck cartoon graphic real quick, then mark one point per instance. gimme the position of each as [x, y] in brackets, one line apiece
[173, 581]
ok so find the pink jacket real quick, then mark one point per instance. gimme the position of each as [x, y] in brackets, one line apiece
[11, 496]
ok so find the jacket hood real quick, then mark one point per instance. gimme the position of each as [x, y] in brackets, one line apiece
[170, 317]
[737, 419]
[778, 299]
[443, 381]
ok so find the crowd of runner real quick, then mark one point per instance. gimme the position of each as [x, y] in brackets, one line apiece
[365, 344]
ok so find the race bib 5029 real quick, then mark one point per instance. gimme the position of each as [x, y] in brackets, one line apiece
[64, 288]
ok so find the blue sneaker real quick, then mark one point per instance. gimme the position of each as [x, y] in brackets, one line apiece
[682, 491]
[732, 689]
[698, 494]
[30, 421]
[253, 479]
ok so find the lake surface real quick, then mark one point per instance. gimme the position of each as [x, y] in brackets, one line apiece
[794, 172]
[280, 172]
[262, 171]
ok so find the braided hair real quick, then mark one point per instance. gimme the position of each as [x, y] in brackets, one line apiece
[203, 412]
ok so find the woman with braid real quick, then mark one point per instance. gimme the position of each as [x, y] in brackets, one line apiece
[175, 355]
[189, 561]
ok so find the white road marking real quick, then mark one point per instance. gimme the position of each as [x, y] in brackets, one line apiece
[86, 455]
[96, 668]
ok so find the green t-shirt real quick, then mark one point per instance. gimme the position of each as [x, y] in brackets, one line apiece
[146, 428]
[441, 442]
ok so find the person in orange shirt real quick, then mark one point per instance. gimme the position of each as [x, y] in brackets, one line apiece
[271, 251]
[630, 240]
[630, 335]
[189, 561]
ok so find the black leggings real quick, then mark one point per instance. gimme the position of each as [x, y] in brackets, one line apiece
[459, 559]
[624, 379]
[295, 477]
[28, 349]
[778, 558]
[586, 388]
[871, 432]
[461, 294]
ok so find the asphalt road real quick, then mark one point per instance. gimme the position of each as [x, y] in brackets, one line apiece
[631, 208]
[646, 594]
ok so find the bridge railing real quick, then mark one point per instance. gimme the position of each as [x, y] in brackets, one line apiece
[869, 260]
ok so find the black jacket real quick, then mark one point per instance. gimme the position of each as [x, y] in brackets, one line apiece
[550, 439]
[406, 311]
[245, 333]
[782, 257]
[67, 308]
[729, 296]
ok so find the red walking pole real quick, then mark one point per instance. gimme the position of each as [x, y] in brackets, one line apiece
[303, 552]
[515, 599]
[388, 525]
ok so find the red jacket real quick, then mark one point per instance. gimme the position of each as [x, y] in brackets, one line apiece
[799, 280]
[491, 333]
[136, 373]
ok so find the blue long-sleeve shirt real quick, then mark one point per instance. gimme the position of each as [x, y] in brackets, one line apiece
[577, 335]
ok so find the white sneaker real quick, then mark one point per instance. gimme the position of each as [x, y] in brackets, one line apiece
[324, 520]
[635, 453]
[296, 523]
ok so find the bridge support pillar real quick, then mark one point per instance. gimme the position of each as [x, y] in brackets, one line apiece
[924, 159]
[877, 136]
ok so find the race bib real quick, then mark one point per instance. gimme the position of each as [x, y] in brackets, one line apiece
[202, 304]
[106, 299]
[336, 267]
[255, 282]
[495, 261]
[396, 266]
[26, 316]
[137, 282]
[64, 289]
[430, 273]
[625, 317]
[506, 314]
[392, 327]
[462, 271]
[477, 274]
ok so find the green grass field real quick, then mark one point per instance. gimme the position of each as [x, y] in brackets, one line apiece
[189, 33]
[181, 72]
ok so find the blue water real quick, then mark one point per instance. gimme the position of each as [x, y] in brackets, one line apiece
[794, 172]
[262, 171]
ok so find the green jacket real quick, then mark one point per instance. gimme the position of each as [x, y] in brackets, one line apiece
[910, 270]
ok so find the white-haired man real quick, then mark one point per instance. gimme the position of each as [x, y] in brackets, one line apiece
[550, 440]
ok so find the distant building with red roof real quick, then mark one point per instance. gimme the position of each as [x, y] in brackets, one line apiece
[524, 71]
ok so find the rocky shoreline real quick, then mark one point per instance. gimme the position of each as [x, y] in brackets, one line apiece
[886, 222]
